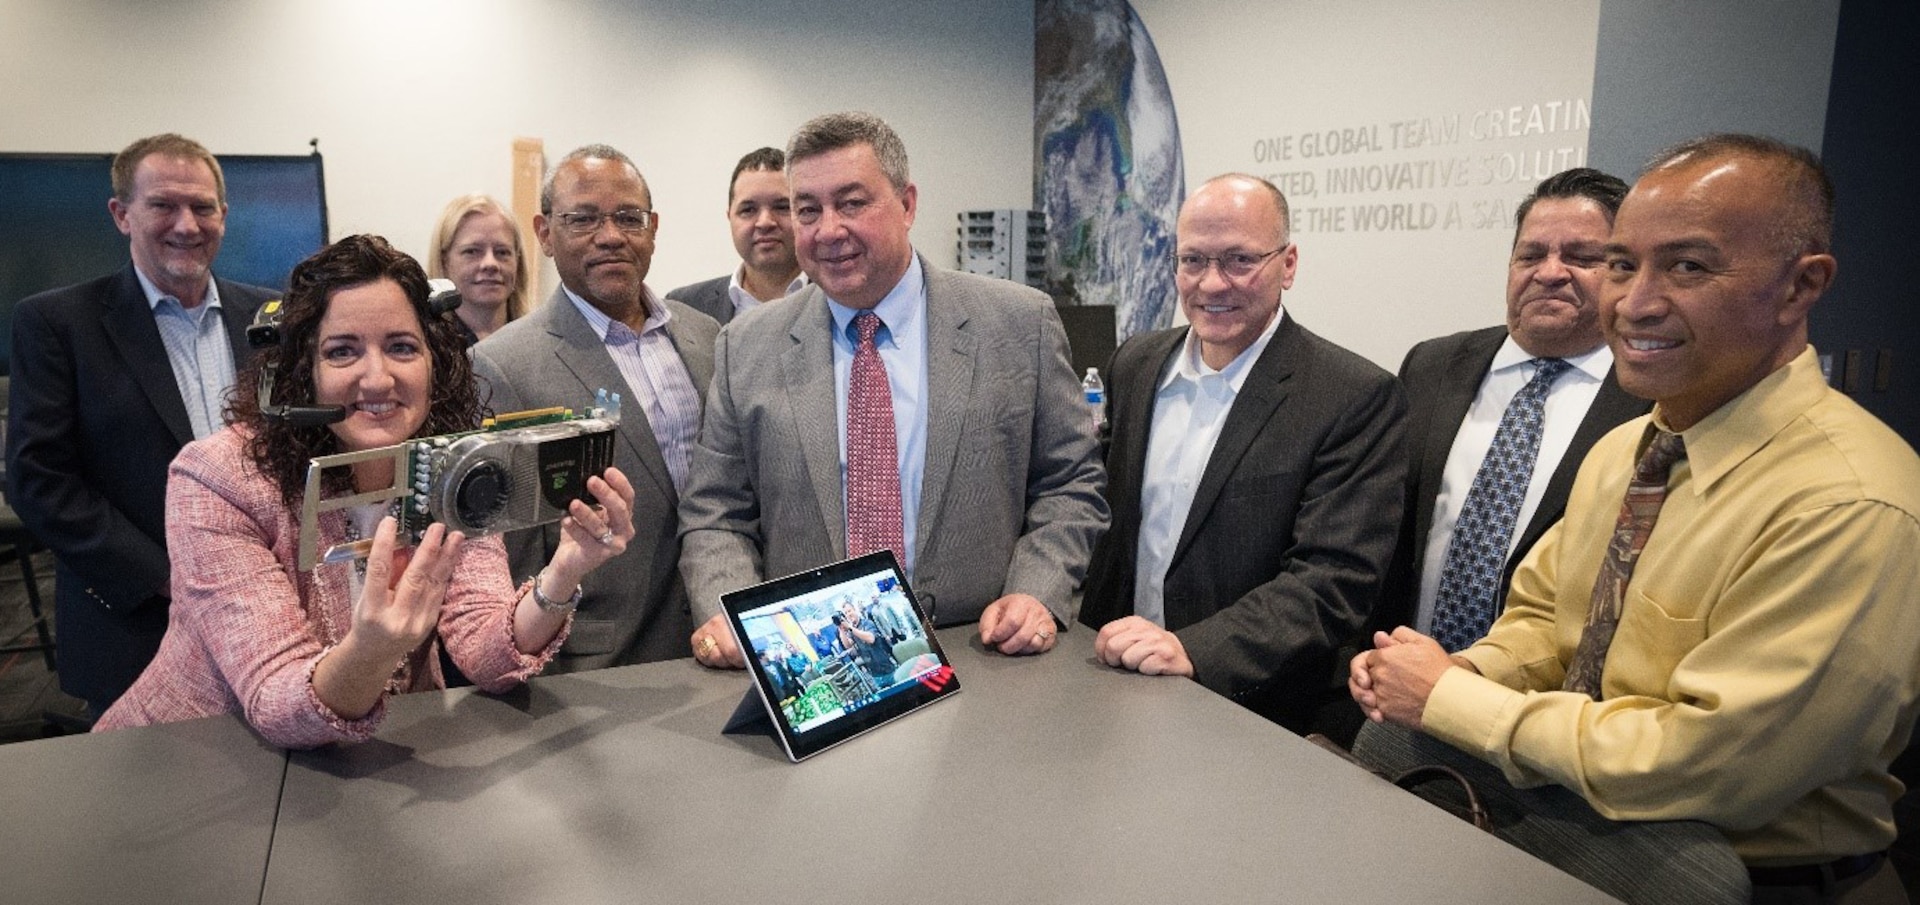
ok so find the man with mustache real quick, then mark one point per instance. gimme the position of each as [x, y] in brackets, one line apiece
[1725, 627]
[604, 328]
[1498, 419]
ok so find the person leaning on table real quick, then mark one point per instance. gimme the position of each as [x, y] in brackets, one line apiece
[310, 657]
[1725, 627]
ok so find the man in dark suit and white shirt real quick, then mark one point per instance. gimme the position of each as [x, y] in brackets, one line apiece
[1463, 388]
[892, 405]
[1255, 475]
[761, 219]
[110, 378]
[603, 328]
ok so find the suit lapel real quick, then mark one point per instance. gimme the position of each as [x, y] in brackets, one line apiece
[584, 355]
[698, 359]
[950, 380]
[1454, 389]
[128, 322]
[807, 366]
[1133, 420]
[1259, 398]
[1465, 370]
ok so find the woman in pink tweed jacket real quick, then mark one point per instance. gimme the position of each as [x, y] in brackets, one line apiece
[310, 657]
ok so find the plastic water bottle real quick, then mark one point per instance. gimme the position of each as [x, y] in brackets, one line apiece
[1095, 392]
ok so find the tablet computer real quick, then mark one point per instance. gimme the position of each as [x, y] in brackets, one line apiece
[837, 650]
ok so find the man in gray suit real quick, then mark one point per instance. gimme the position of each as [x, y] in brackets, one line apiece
[1255, 476]
[963, 431]
[605, 328]
[762, 223]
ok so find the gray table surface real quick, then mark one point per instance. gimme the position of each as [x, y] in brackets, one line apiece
[178, 813]
[1047, 779]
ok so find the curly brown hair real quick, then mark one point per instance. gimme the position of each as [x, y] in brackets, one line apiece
[282, 451]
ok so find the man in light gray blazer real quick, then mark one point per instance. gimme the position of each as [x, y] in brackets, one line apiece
[998, 502]
[605, 328]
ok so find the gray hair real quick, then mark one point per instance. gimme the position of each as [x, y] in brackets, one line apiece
[588, 152]
[834, 131]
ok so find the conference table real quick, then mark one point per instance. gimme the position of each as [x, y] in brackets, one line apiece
[1046, 779]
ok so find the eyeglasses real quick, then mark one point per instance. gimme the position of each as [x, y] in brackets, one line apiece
[581, 223]
[1233, 265]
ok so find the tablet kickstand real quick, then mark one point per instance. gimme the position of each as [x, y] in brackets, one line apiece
[749, 716]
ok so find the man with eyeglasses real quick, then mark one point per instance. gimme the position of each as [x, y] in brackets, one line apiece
[1255, 475]
[892, 405]
[604, 328]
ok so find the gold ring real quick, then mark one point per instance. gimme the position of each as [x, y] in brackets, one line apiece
[707, 644]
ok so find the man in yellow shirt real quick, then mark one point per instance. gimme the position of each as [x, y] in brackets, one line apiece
[1738, 642]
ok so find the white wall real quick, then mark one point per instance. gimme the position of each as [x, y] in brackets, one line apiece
[1259, 87]
[415, 101]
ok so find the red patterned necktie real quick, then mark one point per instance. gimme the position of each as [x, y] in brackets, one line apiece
[1638, 512]
[873, 460]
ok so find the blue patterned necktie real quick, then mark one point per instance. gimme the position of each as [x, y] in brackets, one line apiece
[1463, 607]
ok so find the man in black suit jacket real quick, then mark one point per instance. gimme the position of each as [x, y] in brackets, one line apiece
[100, 403]
[762, 222]
[1271, 562]
[1454, 381]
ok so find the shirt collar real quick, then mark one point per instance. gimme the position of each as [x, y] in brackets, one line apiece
[737, 290]
[1595, 363]
[1190, 367]
[899, 311]
[1741, 426]
[658, 315]
[154, 296]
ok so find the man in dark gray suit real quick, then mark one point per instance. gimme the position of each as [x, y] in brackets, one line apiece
[605, 328]
[761, 219]
[966, 448]
[1460, 387]
[1255, 475]
[110, 378]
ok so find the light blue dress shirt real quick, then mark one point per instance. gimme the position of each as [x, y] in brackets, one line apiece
[902, 344]
[199, 350]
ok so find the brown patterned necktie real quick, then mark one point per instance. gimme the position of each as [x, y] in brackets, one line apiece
[1638, 512]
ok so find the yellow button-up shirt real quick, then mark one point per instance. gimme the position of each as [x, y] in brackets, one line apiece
[1767, 661]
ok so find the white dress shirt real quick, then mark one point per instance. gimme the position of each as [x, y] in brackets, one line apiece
[743, 301]
[1572, 394]
[1189, 409]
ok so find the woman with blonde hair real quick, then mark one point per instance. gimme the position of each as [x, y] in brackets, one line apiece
[477, 246]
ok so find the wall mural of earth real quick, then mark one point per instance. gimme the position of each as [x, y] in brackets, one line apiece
[1106, 161]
